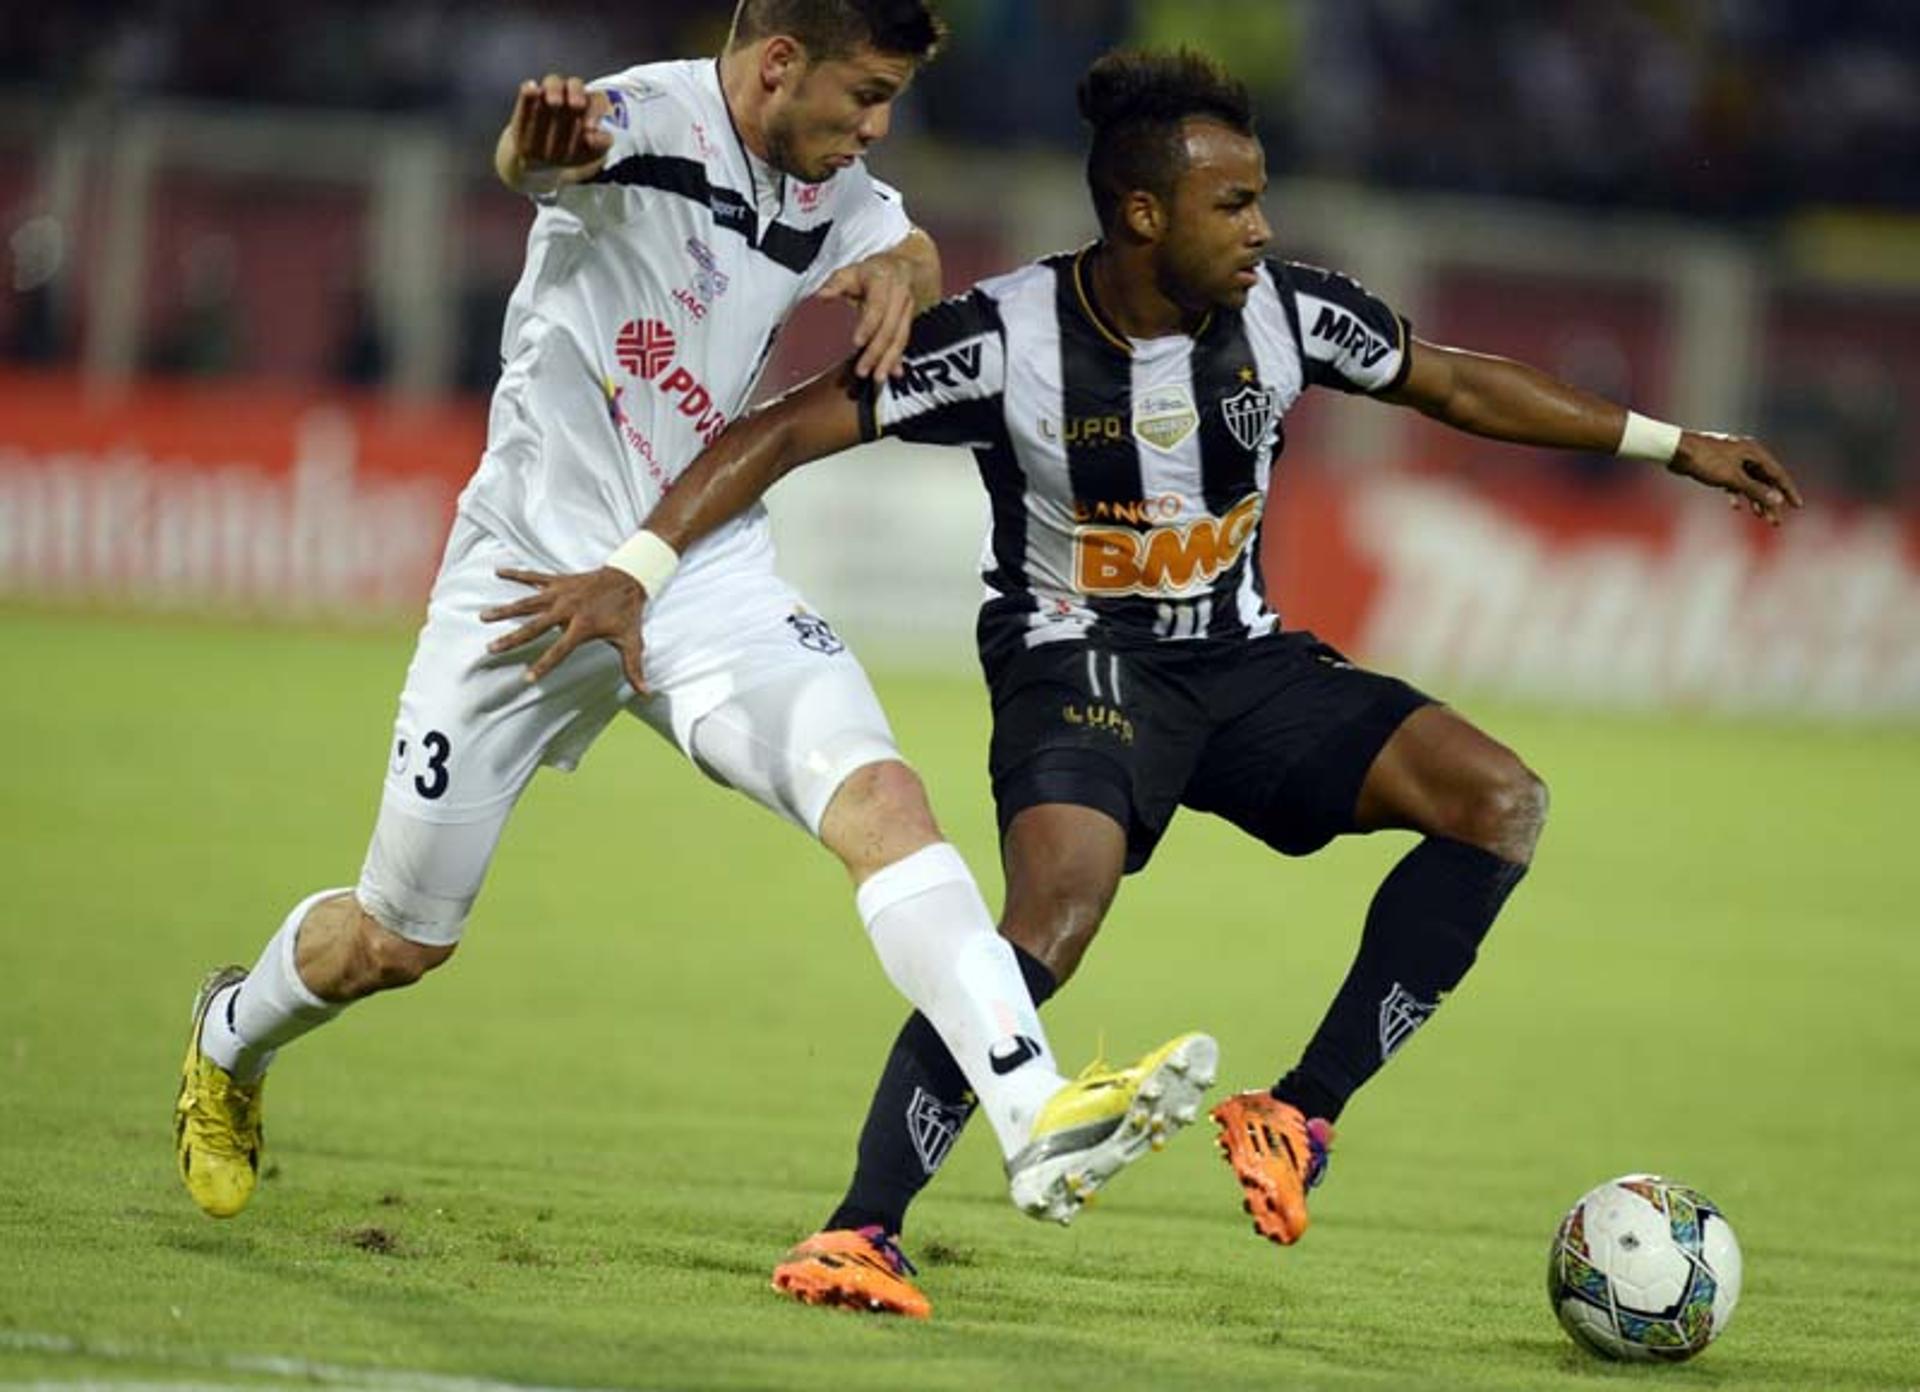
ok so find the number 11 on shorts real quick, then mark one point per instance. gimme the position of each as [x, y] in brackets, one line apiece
[1183, 620]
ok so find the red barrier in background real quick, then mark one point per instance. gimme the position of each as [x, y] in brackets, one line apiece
[1653, 594]
[258, 498]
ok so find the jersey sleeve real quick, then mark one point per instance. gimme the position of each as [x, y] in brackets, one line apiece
[952, 382]
[1350, 339]
[872, 218]
[630, 95]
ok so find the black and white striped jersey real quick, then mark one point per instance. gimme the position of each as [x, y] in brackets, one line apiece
[1128, 477]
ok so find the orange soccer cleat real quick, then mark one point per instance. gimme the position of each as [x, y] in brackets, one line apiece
[856, 1268]
[1277, 1154]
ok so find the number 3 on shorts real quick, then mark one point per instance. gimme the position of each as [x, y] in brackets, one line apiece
[431, 782]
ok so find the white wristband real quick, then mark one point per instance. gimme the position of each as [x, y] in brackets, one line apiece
[647, 559]
[1649, 439]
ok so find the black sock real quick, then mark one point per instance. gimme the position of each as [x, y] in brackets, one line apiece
[916, 1115]
[1423, 929]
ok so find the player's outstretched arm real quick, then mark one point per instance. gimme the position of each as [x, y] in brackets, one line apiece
[818, 418]
[553, 136]
[815, 419]
[1506, 400]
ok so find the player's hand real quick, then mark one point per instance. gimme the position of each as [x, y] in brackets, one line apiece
[603, 604]
[556, 125]
[882, 288]
[1745, 468]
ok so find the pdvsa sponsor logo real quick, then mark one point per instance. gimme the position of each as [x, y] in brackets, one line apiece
[1162, 560]
[646, 349]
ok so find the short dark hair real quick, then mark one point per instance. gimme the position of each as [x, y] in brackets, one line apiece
[1135, 100]
[835, 28]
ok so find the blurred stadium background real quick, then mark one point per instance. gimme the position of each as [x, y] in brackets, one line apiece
[257, 262]
[255, 266]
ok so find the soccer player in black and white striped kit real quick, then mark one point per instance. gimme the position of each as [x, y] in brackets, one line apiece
[1125, 405]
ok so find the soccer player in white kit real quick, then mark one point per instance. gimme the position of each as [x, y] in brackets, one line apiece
[684, 208]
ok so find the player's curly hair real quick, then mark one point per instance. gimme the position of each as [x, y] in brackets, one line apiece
[835, 28]
[1135, 100]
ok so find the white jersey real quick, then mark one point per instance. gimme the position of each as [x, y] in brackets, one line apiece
[646, 311]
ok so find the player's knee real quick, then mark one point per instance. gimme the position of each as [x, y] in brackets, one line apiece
[878, 815]
[1057, 937]
[1057, 917]
[892, 792]
[384, 960]
[1506, 811]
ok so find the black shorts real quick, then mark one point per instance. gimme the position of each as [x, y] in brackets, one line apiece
[1274, 734]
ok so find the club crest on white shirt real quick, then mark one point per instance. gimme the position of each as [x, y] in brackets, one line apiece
[815, 633]
[709, 281]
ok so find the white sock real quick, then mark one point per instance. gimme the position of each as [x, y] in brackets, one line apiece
[247, 1024]
[938, 945]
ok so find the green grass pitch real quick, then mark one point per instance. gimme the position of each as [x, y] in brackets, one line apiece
[571, 1158]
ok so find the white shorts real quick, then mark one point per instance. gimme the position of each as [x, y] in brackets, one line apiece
[746, 681]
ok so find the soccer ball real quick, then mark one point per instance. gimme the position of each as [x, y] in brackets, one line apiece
[1644, 1268]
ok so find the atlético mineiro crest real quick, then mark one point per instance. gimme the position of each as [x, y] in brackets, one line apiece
[815, 633]
[934, 1125]
[1250, 413]
[1401, 1013]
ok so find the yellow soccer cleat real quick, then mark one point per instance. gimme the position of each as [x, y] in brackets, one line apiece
[1104, 1120]
[855, 1269]
[216, 1122]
